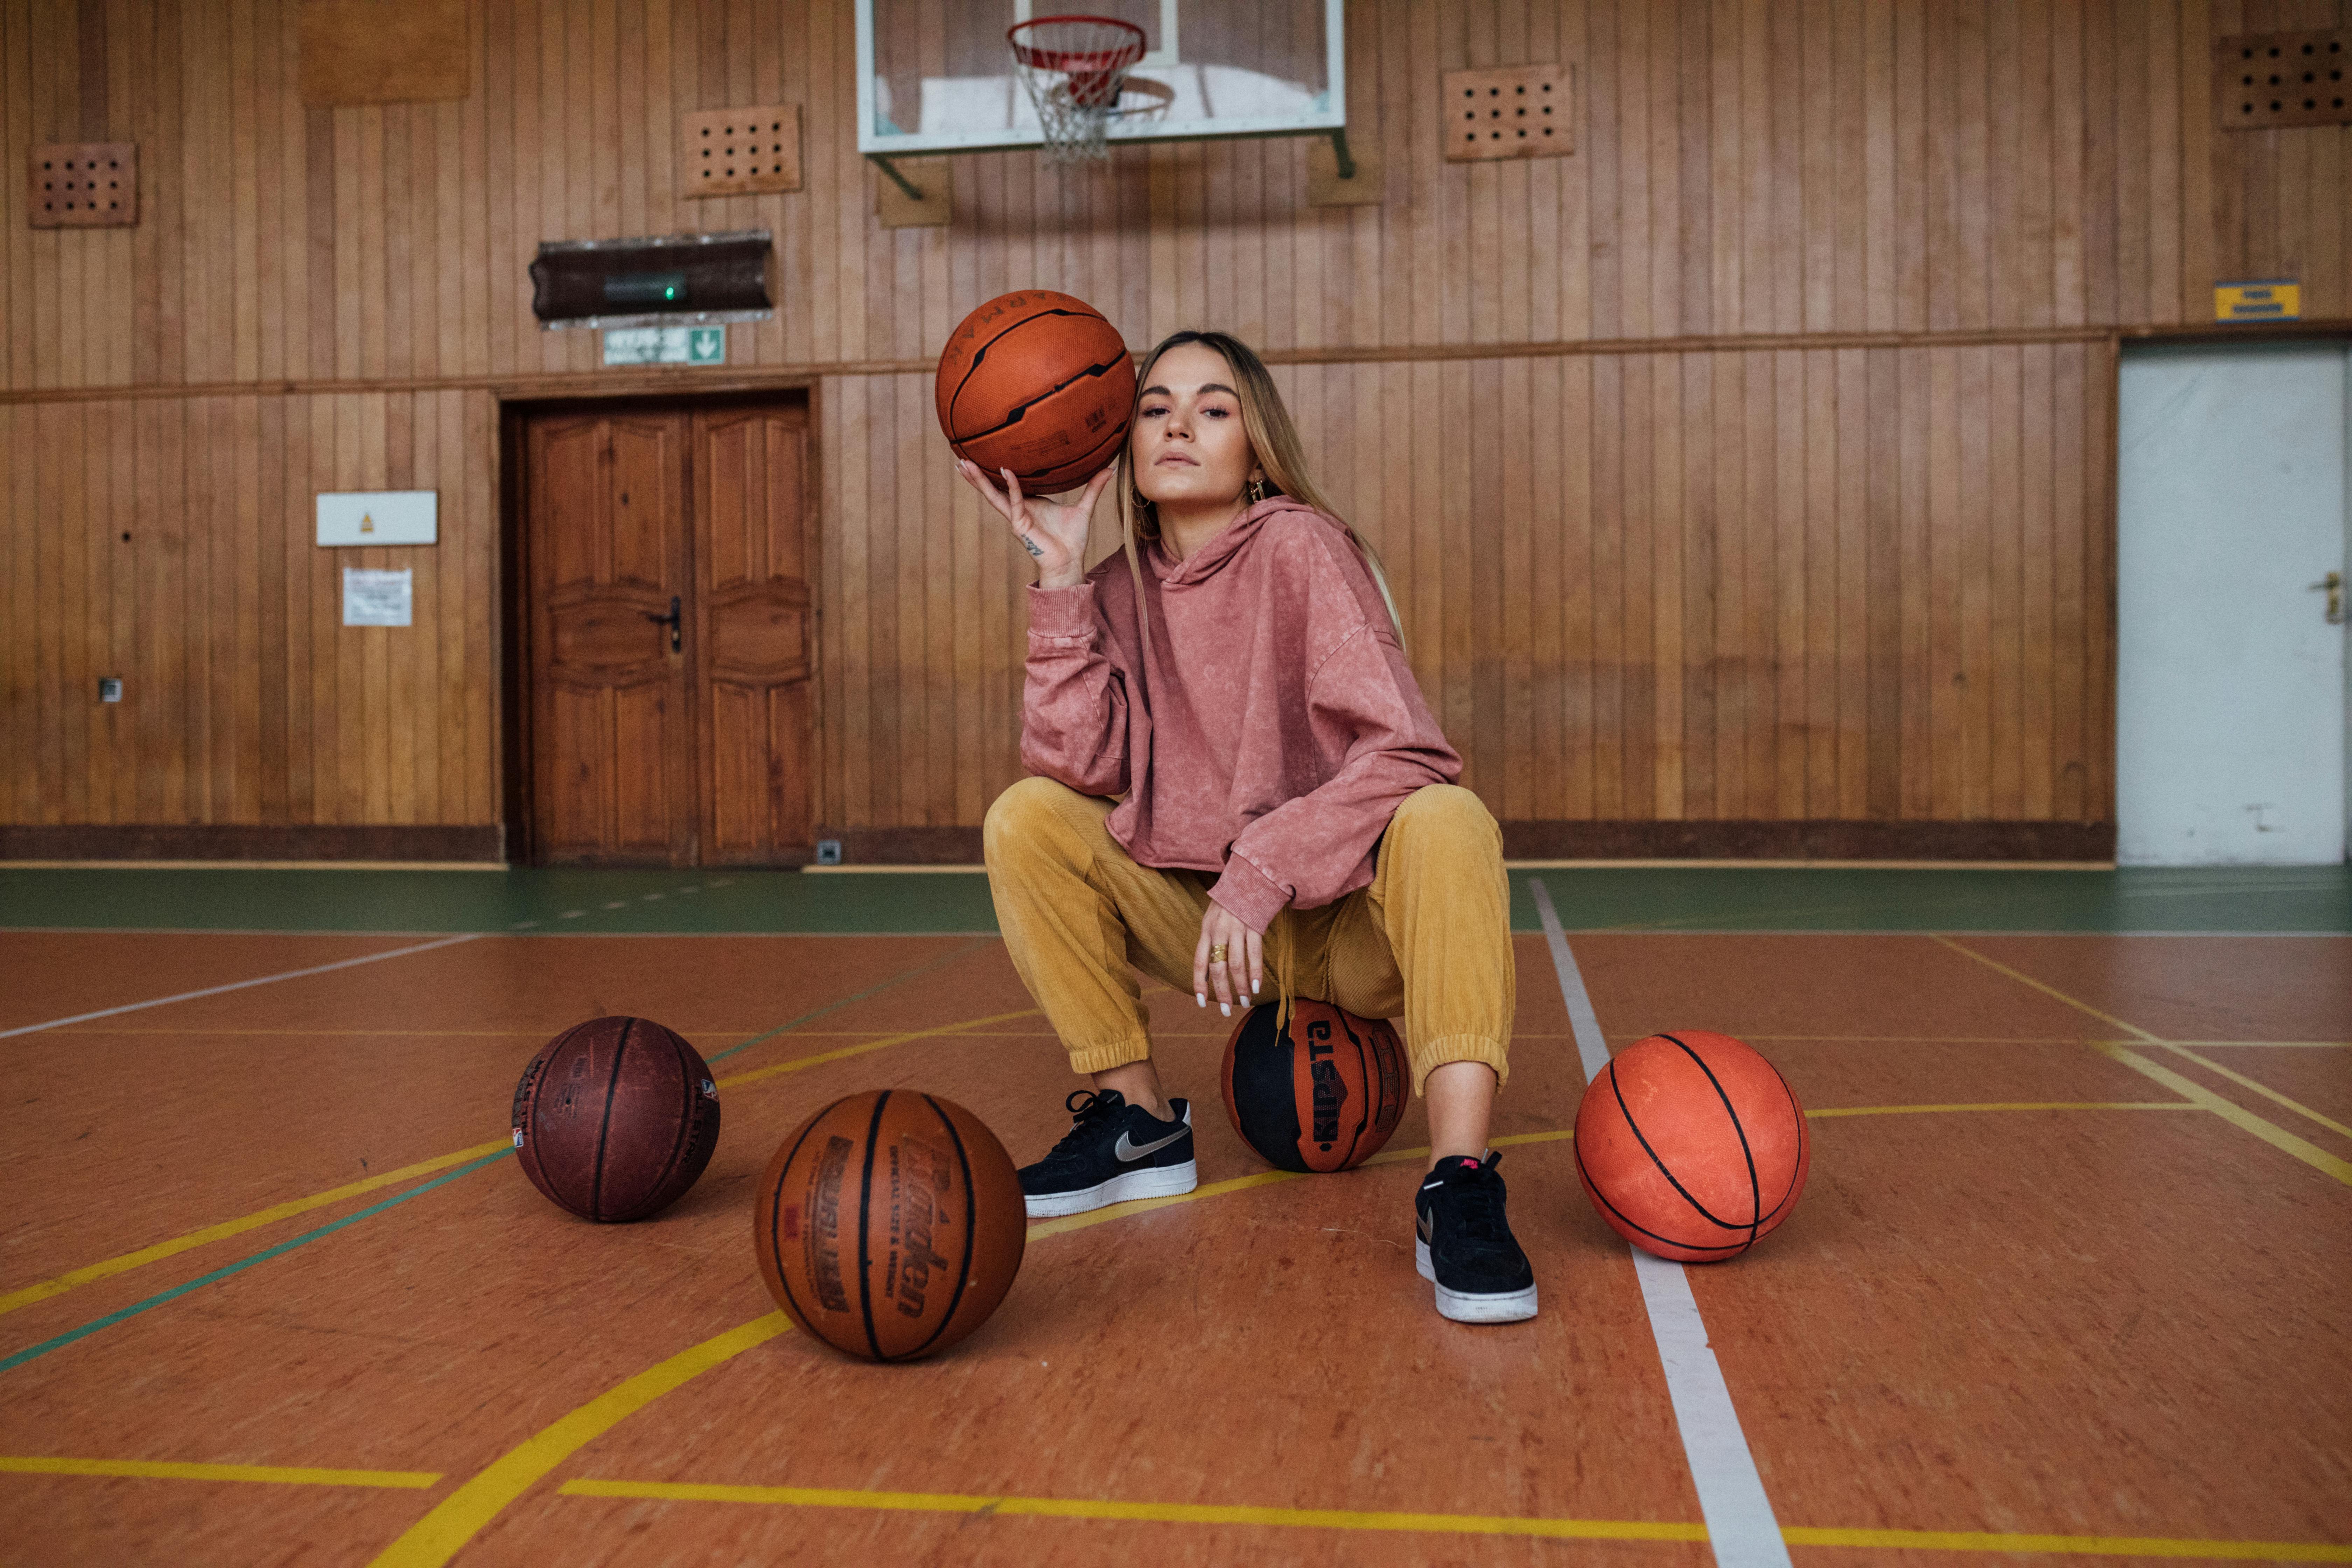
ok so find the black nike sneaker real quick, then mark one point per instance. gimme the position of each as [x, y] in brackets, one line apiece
[1113, 1152]
[1463, 1243]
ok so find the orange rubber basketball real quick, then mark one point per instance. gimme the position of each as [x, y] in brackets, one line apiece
[1324, 1096]
[1692, 1146]
[1040, 384]
[890, 1225]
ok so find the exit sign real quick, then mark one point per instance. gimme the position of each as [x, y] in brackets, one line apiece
[665, 345]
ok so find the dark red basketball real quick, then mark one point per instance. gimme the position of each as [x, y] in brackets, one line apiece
[615, 1119]
[1691, 1145]
[1322, 1096]
[890, 1224]
[1038, 383]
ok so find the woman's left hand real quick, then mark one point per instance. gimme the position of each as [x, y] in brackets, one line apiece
[1245, 959]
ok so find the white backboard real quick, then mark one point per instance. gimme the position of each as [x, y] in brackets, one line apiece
[935, 76]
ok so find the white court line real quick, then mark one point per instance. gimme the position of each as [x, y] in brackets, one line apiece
[1741, 1528]
[240, 985]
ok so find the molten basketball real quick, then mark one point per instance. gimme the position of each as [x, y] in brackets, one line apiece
[890, 1225]
[1040, 384]
[1692, 1146]
[1324, 1096]
[615, 1118]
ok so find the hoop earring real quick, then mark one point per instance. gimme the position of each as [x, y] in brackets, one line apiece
[1256, 492]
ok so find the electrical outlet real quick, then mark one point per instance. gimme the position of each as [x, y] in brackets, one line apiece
[828, 852]
[110, 688]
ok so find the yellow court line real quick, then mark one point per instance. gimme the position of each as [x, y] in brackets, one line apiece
[1156, 1512]
[57, 1286]
[799, 1064]
[457, 1517]
[442, 1533]
[2237, 1115]
[1447, 1524]
[155, 1470]
[2074, 1545]
[2178, 1049]
[42, 1291]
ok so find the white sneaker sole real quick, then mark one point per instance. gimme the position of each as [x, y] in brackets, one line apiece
[1499, 1306]
[1156, 1182]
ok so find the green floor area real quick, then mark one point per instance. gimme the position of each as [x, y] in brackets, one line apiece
[2223, 899]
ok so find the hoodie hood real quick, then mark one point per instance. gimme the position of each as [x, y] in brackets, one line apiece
[1223, 549]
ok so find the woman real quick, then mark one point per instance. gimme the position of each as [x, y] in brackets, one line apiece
[1240, 680]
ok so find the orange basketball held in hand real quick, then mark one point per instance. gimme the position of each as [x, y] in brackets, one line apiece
[1323, 1095]
[890, 1223]
[1038, 383]
[1692, 1146]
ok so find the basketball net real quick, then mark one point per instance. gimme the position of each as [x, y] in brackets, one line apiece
[1073, 68]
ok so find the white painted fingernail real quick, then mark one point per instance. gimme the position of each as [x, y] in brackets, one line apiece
[1226, 1008]
[1202, 997]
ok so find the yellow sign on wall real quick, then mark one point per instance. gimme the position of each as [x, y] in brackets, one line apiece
[2260, 300]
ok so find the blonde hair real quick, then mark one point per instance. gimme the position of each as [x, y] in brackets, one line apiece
[1274, 440]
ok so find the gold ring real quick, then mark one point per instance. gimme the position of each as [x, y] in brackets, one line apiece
[1217, 953]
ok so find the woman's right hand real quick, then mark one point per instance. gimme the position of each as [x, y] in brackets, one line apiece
[1054, 534]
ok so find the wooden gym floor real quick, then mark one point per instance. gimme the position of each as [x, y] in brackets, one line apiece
[2068, 1284]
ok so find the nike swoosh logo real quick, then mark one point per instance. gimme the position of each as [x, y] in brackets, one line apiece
[1129, 1152]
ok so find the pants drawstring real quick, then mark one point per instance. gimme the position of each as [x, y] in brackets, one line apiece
[1285, 945]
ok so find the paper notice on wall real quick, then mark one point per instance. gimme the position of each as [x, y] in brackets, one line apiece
[378, 598]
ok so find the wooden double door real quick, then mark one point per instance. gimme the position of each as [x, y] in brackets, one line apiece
[669, 635]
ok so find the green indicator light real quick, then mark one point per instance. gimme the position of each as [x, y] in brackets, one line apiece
[644, 288]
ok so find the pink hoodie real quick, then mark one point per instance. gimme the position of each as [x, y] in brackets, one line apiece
[1270, 731]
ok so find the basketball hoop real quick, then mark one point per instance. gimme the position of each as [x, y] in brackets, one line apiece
[1073, 68]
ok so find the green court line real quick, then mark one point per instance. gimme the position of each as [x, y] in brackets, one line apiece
[31, 1352]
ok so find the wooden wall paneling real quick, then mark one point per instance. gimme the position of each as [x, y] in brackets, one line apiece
[1729, 655]
[2135, 174]
[855, 717]
[19, 697]
[1817, 109]
[241, 456]
[1474, 491]
[1546, 590]
[1605, 737]
[1975, 526]
[2097, 525]
[244, 178]
[2177, 68]
[2005, 586]
[1790, 709]
[1695, 725]
[1883, 591]
[1915, 483]
[1516, 583]
[1849, 794]
[1819, 587]
[1849, 80]
[2007, 260]
[2037, 515]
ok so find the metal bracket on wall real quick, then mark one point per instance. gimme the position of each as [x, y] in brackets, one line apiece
[896, 178]
[1340, 153]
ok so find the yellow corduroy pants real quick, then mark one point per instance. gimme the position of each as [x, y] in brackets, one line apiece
[1428, 941]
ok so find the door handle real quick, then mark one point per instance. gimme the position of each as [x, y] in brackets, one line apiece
[674, 622]
[2333, 586]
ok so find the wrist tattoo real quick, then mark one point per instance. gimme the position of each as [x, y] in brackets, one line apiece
[1031, 546]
